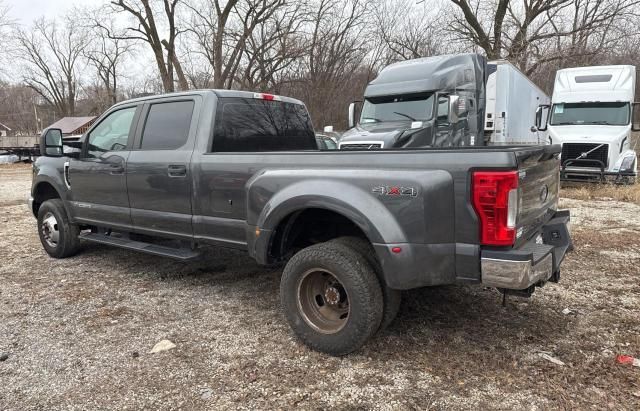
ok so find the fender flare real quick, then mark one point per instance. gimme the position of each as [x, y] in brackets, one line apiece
[43, 179]
[366, 212]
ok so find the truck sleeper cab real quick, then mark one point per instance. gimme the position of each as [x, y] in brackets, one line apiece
[243, 170]
[591, 116]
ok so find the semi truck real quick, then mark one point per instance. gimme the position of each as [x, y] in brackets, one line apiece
[591, 117]
[407, 105]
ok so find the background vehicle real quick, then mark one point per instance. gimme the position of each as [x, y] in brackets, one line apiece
[591, 116]
[243, 170]
[512, 100]
[446, 101]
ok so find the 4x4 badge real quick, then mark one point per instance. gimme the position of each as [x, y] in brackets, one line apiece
[394, 191]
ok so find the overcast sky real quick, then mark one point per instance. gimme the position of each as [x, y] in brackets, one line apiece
[27, 10]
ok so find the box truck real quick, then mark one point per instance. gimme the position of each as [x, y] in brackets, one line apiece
[445, 101]
[591, 117]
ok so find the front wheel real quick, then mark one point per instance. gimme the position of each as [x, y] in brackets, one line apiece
[58, 236]
[331, 298]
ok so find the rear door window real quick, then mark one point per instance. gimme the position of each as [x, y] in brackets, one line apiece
[253, 125]
[167, 125]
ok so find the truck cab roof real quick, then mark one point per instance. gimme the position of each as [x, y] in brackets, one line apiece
[596, 83]
[450, 72]
[208, 92]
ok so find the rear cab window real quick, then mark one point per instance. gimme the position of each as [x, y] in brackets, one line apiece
[256, 125]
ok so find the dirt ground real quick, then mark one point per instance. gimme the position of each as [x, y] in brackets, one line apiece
[78, 332]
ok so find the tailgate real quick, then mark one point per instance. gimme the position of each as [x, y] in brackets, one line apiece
[538, 188]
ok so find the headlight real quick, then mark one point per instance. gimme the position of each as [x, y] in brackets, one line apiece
[628, 163]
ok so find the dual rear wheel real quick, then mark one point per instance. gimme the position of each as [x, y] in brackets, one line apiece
[333, 296]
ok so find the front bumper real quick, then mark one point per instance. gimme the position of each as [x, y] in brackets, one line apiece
[572, 171]
[532, 263]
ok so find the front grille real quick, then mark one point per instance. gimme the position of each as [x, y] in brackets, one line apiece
[572, 151]
[361, 146]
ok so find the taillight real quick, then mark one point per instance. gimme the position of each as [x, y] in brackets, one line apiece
[495, 199]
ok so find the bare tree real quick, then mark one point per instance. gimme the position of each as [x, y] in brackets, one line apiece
[271, 49]
[408, 30]
[331, 73]
[522, 31]
[51, 53]
[6, 24]
[146, 29]
[222, 32]
[20, 114]
[106, 54]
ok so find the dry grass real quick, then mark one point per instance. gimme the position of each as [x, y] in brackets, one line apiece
[629, 194]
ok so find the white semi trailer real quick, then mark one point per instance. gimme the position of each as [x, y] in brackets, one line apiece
[512, 100]
[591, 116]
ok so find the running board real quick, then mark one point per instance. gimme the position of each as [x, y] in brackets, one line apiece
[183, 254]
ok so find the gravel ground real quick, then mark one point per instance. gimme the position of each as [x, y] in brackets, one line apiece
[78, 331]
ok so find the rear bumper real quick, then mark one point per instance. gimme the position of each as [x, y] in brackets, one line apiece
[533, 263]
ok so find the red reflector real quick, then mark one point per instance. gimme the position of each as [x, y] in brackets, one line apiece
[396, 250]
[490, 193]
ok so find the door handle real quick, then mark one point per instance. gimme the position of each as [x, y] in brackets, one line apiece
[116, 168]
[177, 170]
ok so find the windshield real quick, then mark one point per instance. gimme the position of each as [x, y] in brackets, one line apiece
[408, 107]
[612, 114]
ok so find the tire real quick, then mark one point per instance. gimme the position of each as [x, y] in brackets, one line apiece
[58, 236]
[392, 298]
[316, 285]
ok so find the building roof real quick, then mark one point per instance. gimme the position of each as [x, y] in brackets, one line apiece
[5, 127]
[70, 124]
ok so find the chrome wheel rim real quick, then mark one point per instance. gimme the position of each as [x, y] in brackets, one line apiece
[49, 229]
[323, 301]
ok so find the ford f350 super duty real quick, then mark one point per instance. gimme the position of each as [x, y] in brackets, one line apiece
[354, 228]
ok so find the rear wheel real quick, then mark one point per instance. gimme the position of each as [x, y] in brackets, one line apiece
[58, 236]
[392, 298]
[331, 298]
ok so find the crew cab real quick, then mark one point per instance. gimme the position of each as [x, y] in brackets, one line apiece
[172, 174]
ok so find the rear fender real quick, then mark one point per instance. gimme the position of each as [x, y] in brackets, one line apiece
[349, 200]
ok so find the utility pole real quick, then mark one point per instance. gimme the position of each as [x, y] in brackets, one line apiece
[35, 112]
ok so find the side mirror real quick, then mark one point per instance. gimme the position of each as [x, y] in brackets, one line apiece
[453, 109]
[352, 115]
[51, 143]
[635, 117]
[539, 113]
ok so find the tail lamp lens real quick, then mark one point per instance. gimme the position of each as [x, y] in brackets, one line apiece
[495, 200]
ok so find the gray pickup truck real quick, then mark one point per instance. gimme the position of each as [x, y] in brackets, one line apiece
[170, 174]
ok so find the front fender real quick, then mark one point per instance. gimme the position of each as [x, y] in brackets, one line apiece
[50, 173]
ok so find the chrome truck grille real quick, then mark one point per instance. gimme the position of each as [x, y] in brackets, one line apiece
[585, 151]
[361, 146]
